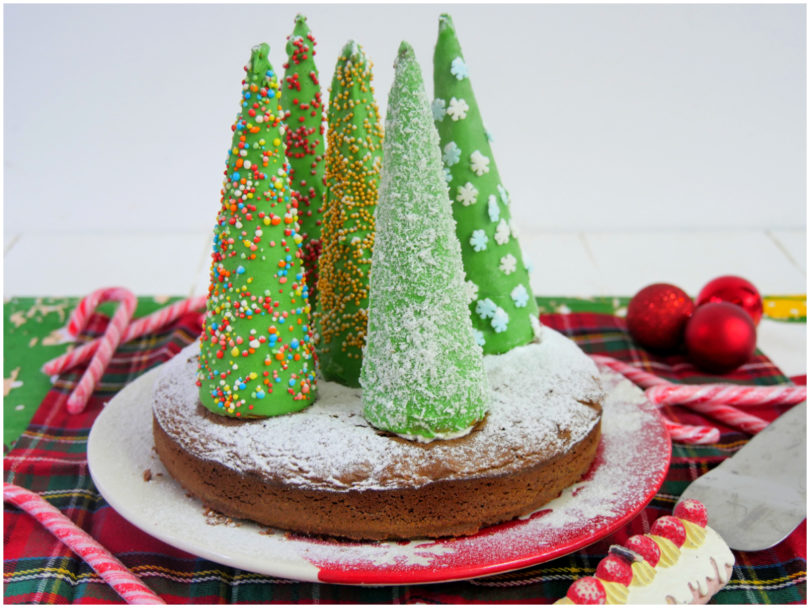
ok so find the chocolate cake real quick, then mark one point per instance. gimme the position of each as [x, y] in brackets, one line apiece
[327, 471]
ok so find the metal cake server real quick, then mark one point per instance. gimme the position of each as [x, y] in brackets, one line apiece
[758, 496]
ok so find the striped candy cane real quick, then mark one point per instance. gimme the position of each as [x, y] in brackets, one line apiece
[686, 433]
[125, 583]
[140, 327]
[714, 400]
[730, 416]
[109, 342]
[731, 394]
[631, 372]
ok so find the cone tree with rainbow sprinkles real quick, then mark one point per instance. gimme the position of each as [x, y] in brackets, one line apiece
[306, 142]
[256, 347]
[502, 307]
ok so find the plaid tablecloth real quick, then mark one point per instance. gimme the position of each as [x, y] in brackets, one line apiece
[49, 457]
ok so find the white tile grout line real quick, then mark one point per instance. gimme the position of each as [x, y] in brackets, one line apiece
[784, 251]
[7, 247]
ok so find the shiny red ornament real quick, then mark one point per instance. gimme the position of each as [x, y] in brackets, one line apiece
[657, 316]
[720, 337]
[735, 290]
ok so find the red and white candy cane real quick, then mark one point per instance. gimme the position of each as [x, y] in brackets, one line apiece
[109, 342]
[731, 394]
[136, 329]
[116, 574]
[631, 372]
[705, 399]
[692, 434]
[730, 416]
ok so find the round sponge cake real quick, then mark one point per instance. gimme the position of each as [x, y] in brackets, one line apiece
[326, 471]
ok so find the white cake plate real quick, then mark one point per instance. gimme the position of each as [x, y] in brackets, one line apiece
[630, 466]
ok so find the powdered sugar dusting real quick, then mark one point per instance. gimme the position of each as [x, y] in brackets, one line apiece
[631, 464]
[538, 408]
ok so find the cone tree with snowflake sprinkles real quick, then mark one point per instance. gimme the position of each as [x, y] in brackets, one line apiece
[353, 159]
[306, 142]
[503, 310]
[256, 351]
[423, 374]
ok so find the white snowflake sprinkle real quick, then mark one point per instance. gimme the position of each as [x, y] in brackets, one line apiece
[536, 327]
[479, 163]
[520, 296]
[500, 320]
[478, 240]
[492, 208]
[467, 194]
[452, 154]
[502, 233]
[508, 264]
[457, 109]
[459, 69]
[479, 337]
[504, 194]
[485, 308]
[438, 107]
[513, 228]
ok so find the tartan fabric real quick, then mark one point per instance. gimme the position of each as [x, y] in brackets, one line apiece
[50, 459]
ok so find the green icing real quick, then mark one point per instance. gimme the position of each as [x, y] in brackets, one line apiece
[354, 154]
[305, 141]
[256, 347]
[423, 374]
[502, 307]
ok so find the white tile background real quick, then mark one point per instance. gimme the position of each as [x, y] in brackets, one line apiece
[667, 142]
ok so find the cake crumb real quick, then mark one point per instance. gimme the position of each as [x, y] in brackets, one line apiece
[215, 518]
[147, 475]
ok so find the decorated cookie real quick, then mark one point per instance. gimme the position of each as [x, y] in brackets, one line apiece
[256, 351]
[353, 161]
[423, 376]
[305, 140]
[681, 561]
[502, 306]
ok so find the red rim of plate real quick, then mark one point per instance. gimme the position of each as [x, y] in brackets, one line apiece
[393, 576]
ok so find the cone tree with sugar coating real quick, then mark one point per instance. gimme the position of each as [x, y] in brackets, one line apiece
[423, 376]
[353, 158]
[306, 142]
[503, 310]
[256, 350]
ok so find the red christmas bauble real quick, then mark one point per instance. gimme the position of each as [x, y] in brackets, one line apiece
[720, 337]
[736, 290]
[657, 316]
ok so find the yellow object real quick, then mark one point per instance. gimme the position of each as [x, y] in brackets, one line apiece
[785, 308]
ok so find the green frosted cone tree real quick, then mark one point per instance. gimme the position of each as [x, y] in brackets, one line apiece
[423, 376]
[305, 139]
[256, 346]
[353, 159]
[503, 310]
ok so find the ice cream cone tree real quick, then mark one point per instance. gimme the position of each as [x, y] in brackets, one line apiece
[354, 155]
[305, 141]
[422, 374]
[502, 307]
[256, 348]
